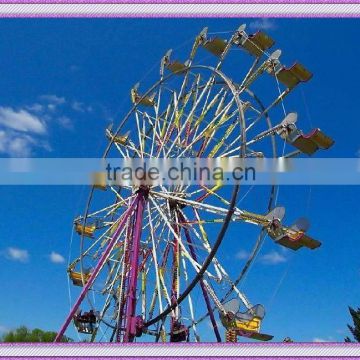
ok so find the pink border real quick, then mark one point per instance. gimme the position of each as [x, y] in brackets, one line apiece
[177, 15]
[189, 357]
[180, 2]
[183, 15]
[201, 344]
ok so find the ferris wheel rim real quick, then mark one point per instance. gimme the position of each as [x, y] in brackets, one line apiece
[126, 118]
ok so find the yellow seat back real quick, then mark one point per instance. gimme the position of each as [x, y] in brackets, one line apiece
[120, 139]
[77, 278]
[252, 325]
[216, 46]
[86, 230]
[99, 180]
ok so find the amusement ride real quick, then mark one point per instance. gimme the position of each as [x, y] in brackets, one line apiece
[149, 266]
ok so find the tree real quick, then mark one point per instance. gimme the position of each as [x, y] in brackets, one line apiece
[23, 334]
[355, 329]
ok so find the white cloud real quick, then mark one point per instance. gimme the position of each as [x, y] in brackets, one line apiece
[56, 258]
[53, 99]
[35, 107]
[263, 24]
[17, 254]
[80, 107]
[66, 122]
[25, 129]
[21, 120]
[316, 339]
[327, 339]
[18, 144]
[273, 258]
[242, 255]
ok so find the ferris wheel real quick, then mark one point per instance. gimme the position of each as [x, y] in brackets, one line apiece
[150, 266]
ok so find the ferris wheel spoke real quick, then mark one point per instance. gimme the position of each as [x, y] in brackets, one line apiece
[240, 215]
[255, 72]
[222, 274]
[176, 114]
[106, 209]
[118, 205]
[203, 284]
[168, 126]
[162, 289]
[217, 99]
[153, 130]
[126, 154]
[157, 108]
[156, 265]
[203, 239]
[263, 135]
[195, 265]
[201, 135]
[190, 302]
[156, 135]
[213, 192]
[98, 244]
[196, 103]
[219, 143]
[195, 204]
[278, 100]
[202, 116]
[140, 134]
[244, 83]
[119, 197]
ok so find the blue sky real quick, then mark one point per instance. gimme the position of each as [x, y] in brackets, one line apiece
[64, 80]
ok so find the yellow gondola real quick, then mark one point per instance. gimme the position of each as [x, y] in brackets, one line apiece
[118, 139]
[245, 324]
[293, 237]
[257, 43]
[99, 180]
[310, 143]
[290, 77]
[216, 46]
[177, 67]
[174, 66]
[136, 98]
[77, 278]
[306, 143]
[253, 324]
[85, 230]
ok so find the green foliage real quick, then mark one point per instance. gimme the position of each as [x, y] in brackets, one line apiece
[23, 334]
[355, 328]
